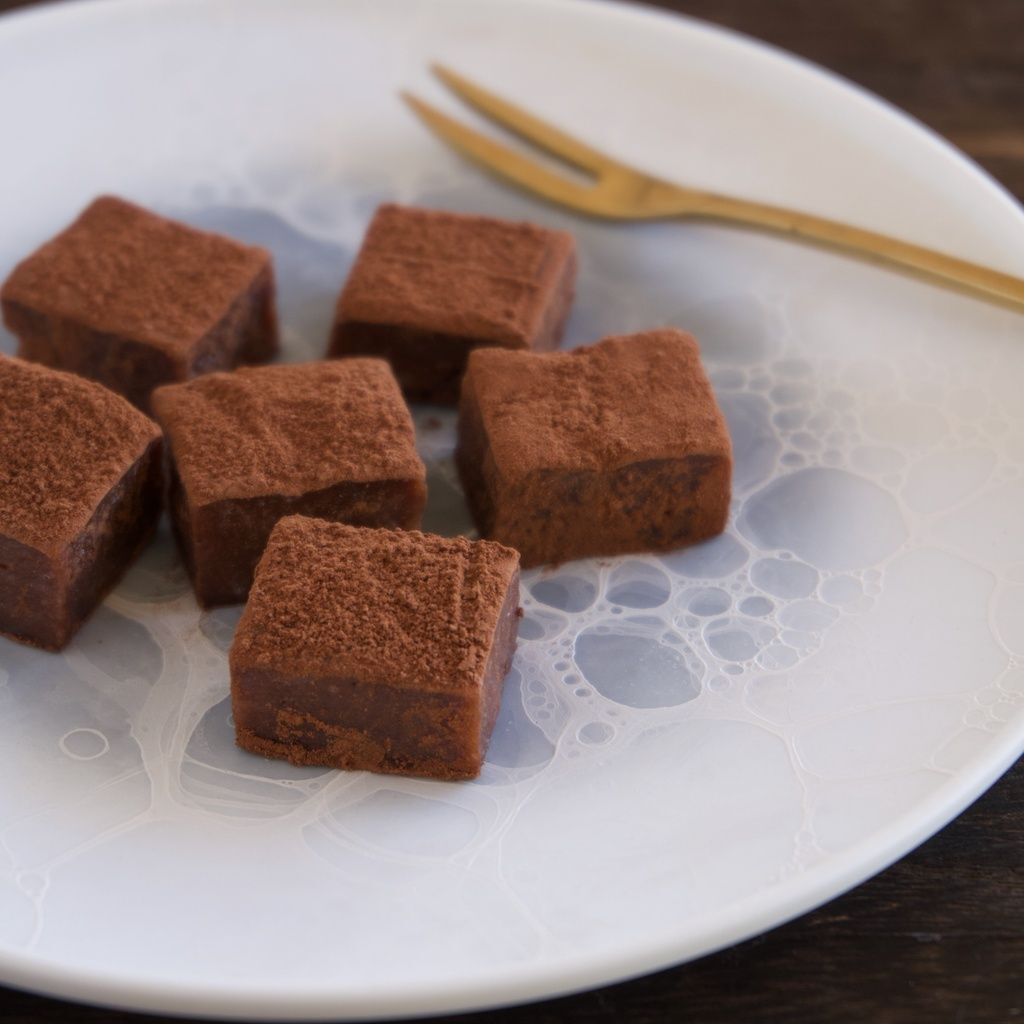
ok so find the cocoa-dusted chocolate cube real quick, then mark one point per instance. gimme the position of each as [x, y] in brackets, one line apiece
[80, 483]
[427, 287]
[602, 450]
[330, 439]
[134, 300]
[381, 650]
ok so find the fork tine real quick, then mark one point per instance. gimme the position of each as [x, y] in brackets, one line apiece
[524, 124]
[500, 159]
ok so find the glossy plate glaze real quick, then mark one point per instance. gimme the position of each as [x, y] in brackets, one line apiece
[692, 748]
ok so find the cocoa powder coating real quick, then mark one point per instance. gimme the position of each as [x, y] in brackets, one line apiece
[455, 274]
[124, 270]
[64, 443]
[288, 430]
[412, 610]
[626, 399]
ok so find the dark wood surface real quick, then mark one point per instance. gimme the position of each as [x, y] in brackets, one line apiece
[939, 936]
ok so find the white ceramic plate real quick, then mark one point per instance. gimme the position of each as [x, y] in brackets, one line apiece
[692, 748]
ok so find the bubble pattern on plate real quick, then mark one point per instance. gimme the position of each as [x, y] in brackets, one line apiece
[852, 639]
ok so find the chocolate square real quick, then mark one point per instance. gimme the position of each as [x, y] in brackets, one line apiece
[602, 450]
[381, 650]
[428, 287]
[330, 439]
[134, 300]
[80, 483]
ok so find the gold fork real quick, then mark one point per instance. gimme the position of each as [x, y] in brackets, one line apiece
[620, 192]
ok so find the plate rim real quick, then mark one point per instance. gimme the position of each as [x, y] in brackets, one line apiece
[567, 973]
[522, 984]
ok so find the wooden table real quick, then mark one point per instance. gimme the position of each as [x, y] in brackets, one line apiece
[940, 936]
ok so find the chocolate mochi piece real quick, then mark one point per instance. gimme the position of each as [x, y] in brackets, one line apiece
[612, 448]
[134, 300]
[80, 486]
[383, 650]
[327, 439]
[428, 287]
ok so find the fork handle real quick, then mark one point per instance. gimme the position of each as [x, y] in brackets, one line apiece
[804, 225]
